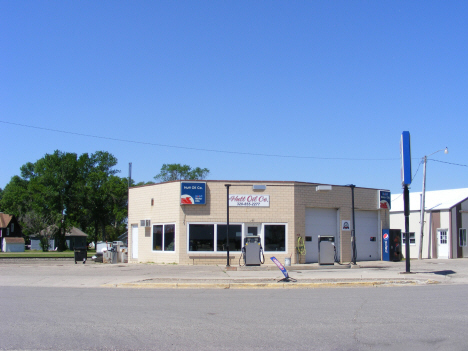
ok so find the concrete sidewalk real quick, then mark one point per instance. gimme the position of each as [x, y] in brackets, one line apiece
[65, 273]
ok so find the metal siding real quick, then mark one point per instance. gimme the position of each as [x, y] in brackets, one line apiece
[319, 221]
[367, 226]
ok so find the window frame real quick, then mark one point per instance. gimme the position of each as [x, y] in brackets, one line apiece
[262, 235]
[215, 237]
[412, 239]
[163, 237]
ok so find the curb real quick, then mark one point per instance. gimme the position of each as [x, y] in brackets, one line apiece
[239, 286]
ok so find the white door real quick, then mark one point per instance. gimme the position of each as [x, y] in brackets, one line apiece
[134, 241]
[442, 243]
[367, 235]
[319, 221]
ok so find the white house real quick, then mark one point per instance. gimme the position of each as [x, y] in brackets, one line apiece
[445, 223]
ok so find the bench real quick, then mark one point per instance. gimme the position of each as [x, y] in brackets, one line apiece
[209, 258]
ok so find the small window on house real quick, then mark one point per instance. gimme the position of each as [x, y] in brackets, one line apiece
[412, 238]
[12, 227]
[163, 237]
[462, 237]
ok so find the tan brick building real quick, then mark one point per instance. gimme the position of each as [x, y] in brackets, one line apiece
[163, 230]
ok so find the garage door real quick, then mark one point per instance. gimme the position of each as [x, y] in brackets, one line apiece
[367, 228]
[319, 221]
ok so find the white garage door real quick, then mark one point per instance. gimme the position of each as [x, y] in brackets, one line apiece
[319, 221]
[367, 228]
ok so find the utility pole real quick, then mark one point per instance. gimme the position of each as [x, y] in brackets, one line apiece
[423, 202]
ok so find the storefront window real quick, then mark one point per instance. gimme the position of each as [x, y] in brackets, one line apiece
[235, 237]
[163, 237]
[201, 237]
[275, 237]
[169, 235]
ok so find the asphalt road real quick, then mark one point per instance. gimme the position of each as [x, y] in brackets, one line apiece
[432, 317]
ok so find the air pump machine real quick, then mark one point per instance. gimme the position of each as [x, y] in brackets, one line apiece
[253, 251]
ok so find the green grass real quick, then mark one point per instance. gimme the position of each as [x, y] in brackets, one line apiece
[41, 254]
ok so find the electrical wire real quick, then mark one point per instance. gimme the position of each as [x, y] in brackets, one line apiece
[198, 149]
[450, 163]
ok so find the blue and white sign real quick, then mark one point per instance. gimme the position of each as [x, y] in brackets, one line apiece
[405, 152]
[192, 193]
[385, 199]
[385, 244]
[280, 266]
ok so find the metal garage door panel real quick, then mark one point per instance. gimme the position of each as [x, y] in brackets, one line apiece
[367, 226]
[319, 221]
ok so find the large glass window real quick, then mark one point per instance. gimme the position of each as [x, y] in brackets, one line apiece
[201, 237]
[462, 236]
[275, 237]
[163, 237]
[235, 237]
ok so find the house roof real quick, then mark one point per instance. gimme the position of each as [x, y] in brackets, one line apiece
[72, 232]
[434, 200]
[5, 219]
[14, 240]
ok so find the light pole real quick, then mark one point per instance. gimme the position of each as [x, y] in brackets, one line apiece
[423, 201]
[353, 232]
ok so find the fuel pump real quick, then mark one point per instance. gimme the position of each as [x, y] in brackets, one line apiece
[253, 251]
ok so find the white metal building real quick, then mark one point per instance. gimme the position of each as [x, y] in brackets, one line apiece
[445, 223]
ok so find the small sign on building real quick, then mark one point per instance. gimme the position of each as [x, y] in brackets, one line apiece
[346, 225]
[192, 193]
[249, 201]
[385, 201]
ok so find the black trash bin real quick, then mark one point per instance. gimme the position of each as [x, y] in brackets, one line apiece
[80, 254]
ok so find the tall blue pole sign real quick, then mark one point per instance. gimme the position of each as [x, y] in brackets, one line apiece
[405, 151]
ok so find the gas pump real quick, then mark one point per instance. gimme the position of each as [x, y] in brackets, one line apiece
[253, 251]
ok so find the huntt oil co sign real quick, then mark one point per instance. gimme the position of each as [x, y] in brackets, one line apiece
[249, 201]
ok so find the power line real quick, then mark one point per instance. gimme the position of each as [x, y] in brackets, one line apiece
[450, 163]
[199, 149]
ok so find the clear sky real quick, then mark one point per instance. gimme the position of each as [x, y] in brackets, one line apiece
[314, 91]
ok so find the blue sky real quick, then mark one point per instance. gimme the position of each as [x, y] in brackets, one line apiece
[326, 86]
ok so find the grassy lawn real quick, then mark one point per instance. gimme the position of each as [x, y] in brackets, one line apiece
[40, 254]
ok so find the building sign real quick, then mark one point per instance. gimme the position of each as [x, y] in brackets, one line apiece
[385, 244]
[346, 225]
[385, 201]
[405, 152]
[192, 193]
[249, 201]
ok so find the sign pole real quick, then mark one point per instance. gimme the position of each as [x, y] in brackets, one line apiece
[227, 226]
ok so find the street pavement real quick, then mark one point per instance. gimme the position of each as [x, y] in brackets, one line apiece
[65, 273]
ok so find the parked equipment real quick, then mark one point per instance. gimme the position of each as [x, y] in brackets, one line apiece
[326, 249]
[253, 251]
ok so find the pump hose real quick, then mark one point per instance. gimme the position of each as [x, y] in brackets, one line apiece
[301, 250]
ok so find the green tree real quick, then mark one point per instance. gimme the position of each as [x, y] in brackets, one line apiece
[104, 195]
[176, 171]
[15, 198]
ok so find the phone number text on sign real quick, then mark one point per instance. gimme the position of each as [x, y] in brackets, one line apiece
[249, 200]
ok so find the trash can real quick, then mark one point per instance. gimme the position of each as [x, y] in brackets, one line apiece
[80, 254]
